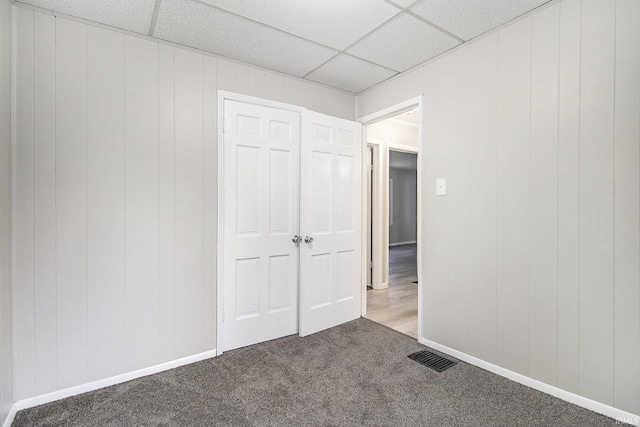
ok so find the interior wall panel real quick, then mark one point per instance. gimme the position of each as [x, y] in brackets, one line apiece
[480, 112]
[596, 201]
[105, 203]
[438, 211]
[44, 178]
[23, 250]
[564, 182]
[71, 202]
[568, 194]
[513, 181]
[210, 189]
[627, 207]
[7, 62]
[543, 244]
[189, 202]
[141, 202]
[116, 185]
[166, 203]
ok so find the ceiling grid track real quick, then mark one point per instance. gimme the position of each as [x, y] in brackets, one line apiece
[350, 46]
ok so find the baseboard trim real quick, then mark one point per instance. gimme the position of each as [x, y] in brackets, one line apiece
[10, 416]
[413, 242]
[106, 382]
[609, 411]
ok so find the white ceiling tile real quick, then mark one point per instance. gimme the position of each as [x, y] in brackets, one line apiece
[468, 19]
[197, 25]
[130, 15]
[334, 23]
[402, 43]
[403, 3]
[350, 74]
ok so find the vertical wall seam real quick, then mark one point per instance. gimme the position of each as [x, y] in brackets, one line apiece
[173, 288]
[124, 205]
[204, 183]
[529, 184]
[55, 180]
[613, 130]
[33, 192]
[497, 124]
[158, 264]
[558, 201]
[579, 190]
[86, 189]
[124, 198]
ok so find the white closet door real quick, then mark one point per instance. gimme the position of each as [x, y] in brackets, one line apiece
[261, 206]
[330, 214]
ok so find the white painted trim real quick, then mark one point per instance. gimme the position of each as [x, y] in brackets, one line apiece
[106, 382]
[10, 416]
[392, 146]
[403, 243]
[377, 215]
[394, 110]
[567, 396]
[231, 96]
[382, 259]
[364, 219]
[222, 97]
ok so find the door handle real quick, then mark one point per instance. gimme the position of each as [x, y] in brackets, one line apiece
[296, 239]
[308, 239]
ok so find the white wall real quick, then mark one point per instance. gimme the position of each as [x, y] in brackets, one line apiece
[116, 198]
[393, 133]
[532, 259]
[403, 229]
[6, 320]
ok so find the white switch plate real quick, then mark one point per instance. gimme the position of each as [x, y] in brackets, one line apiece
[441, 186]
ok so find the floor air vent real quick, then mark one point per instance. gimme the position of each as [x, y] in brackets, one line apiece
[432, 360]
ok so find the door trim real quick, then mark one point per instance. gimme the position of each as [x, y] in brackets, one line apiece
[222, 97]
[380, 115]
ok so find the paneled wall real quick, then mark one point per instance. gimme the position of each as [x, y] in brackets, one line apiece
[6, 317]
[532, 259]
[116, 197]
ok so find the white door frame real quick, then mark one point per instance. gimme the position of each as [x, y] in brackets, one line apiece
[382, 257]
[229, 96]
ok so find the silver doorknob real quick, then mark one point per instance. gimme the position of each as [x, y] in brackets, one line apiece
[296, 239]
[308, 239]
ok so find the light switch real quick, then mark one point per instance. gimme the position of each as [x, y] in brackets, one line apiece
[441, 186]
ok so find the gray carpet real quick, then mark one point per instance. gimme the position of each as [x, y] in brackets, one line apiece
[357, 374]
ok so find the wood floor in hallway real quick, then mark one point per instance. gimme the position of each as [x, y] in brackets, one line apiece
[397, 306]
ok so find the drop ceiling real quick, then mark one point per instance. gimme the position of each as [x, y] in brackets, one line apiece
[346, 44]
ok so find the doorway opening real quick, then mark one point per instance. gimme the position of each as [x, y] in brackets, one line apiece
[393, 287]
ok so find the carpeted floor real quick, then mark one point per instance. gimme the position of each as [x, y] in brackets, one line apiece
[357, 374]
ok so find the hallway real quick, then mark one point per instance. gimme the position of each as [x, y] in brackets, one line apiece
[397, 306]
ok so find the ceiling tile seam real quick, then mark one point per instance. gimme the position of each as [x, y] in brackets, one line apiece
[154, 18]
[353, 56]
[344, 51]
[465, 44]
[392, 3]
[434, 26]
[322, 65]
[268, 26]
[338, 51]
[173, 44]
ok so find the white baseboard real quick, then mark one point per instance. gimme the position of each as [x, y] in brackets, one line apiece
[106, 382]
[615, 413]
[10, 416]
[383, 285]
[403, 243]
